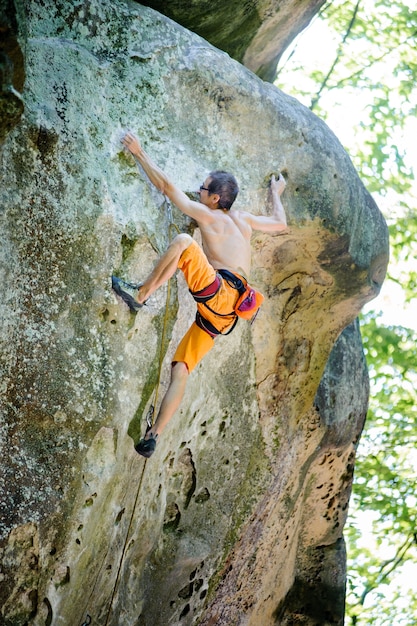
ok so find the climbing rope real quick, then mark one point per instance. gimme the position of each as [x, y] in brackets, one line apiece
[150, 414]
[116, 582]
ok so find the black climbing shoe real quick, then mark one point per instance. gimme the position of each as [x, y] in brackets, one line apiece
[127, 292]
[146, 447]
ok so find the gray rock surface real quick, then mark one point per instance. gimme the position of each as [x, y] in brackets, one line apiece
[255, 32]
[238, 517]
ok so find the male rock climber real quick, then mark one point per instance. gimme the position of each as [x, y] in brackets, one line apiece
[226, 250]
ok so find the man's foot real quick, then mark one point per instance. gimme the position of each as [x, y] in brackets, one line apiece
[127, 292]
[146, 447]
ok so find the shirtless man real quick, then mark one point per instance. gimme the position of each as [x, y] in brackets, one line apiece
[226, 238]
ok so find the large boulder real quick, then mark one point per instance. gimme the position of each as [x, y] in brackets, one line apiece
[255, 33]
[238, 517]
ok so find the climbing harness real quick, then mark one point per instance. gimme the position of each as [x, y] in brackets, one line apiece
[247, 305]
[249, 301]
[206, 294]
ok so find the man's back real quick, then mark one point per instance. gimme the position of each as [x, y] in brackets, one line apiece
[226, 241]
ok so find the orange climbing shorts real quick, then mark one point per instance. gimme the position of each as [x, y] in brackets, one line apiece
[200, 274]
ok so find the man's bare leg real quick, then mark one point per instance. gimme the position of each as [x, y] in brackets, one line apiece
[165, 267]
[171, 400]
[163, 270]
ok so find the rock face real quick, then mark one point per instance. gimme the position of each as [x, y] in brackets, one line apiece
[254, 32]
[11, 70]
[238, 517]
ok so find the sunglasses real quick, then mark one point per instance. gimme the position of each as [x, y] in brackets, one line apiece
[203, 188]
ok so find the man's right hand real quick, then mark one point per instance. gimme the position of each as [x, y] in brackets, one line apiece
[131, 143]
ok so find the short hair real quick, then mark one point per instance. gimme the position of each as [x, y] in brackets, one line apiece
[225, 185]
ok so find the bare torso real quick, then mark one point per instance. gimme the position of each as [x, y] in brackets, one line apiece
[226, 242]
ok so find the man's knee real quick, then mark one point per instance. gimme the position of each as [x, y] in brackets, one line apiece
[179, 371]
[182, 242]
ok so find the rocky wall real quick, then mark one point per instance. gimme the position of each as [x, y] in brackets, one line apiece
[255, 32]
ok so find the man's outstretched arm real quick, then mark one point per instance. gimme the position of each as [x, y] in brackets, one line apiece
[277, 222]
[277, 188]
[196, 210]
[153, 172]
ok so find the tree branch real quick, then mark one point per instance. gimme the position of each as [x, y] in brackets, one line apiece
[348, 79]
[393, 563]
[338, 55]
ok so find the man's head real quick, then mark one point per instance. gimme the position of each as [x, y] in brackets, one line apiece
[222, 184]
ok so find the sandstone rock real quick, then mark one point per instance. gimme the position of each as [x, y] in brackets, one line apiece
[255, 33]
[238, 517]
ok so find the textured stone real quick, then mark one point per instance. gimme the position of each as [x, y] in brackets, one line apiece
[238, 517]
[254, 32]
[11, 70]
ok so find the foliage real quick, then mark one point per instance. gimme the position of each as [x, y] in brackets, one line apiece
[372, 39]
[386, 481]
[362, 81]
[403, 238]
